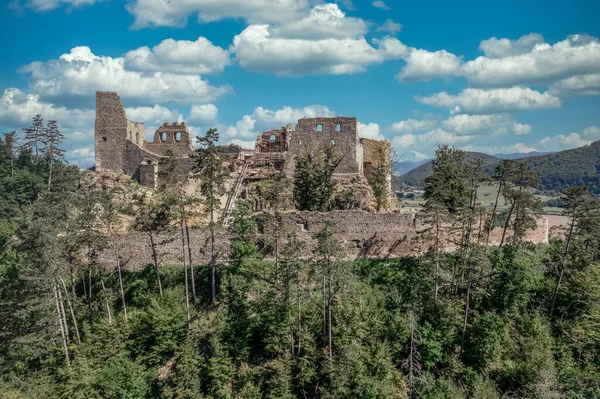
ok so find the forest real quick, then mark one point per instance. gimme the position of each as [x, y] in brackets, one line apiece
[556, 171]
[513, 321]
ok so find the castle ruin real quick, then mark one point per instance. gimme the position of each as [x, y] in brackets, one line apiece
[121, 145]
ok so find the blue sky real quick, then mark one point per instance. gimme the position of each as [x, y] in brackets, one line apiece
[508, 76]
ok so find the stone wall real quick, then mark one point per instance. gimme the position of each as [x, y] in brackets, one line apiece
[110, 132]
[340, 132]
[137, 132]
[173, 137]
[363, 235]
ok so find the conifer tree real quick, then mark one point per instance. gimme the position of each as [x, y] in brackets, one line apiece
[212, 175]
[10, 139]
[34, 136]
[52, 139]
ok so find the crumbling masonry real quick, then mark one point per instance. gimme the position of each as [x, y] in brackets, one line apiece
[121, 145]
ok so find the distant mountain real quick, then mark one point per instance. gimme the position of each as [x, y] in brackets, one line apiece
[416, 176]
[519, 155]
[557, 170]
[406, 166]
[576, 167]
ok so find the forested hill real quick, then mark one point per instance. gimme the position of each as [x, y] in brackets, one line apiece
[557, 171]
[576, 167]
[416, 176]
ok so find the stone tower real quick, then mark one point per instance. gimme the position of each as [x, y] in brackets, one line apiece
[110, 132]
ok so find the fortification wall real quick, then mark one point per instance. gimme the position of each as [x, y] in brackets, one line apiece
[137, 132]
[173, 137]
[110, 132]
[308, 138]
[363, 235]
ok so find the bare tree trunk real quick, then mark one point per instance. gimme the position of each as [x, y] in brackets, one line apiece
[512, 207]
[155, 259]
[298, 297]
[212, 257]
[62, 327]
[106, 302]
[466, 318]
[185, 271]
[324, 311]
[289, 307]
[62, 310]
[491, 226]
[187, 236]
[121, 284]
[72, 311]
[329, 300]
[563, 266]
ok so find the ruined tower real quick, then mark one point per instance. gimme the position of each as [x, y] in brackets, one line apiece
[110, 132]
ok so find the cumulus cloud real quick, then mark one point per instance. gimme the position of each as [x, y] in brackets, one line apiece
[413, 125]
[179, 56]
[511, 64]
[486, 124]
[323, 21]
[390, 26]
[256, 49]
[478, 101]
[380, 4]
[151, 13]
[153, 115]
[423, 65]
[262, 119]
[428, 141]
[499, 48]
[76, 76]
[203, 114]
[572, 140]
[582, 85]
[370, 131]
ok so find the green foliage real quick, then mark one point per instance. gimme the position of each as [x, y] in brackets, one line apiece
[313, 180]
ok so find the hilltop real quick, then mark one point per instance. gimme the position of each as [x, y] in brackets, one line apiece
[557, 171]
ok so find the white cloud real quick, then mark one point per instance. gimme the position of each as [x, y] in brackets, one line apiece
[582, 85]
[256, 49]
[149, 13]
[370, 131]
[427, 142]
[380, 4]
[179, 56]
[263, 119]
[572, 140]
[478, 101]
[287, 114]
[413, 125]
[324, 21]
[499, 48]
[543, 64]
[423, 65]
[76, 76]
[203, 114]
[485, 124]
[390, 26]
[153, 115]
[17, 109]
[45, 5]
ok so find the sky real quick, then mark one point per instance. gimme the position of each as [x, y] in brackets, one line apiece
[492, 76]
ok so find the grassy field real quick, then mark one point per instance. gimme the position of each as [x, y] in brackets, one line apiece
[485, 194]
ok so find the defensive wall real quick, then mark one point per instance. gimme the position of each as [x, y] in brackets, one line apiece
[362, 234]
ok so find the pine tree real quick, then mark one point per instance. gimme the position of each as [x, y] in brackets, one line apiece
[10, 139]
[34, 136]
[212, 175]
[52, 139]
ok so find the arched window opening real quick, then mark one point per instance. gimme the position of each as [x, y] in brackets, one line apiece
[272, 138]
[338, 128]
[130, 135]
[137, 137]
[332, 142]
[163, 137]
[178, 137]
[319, 127]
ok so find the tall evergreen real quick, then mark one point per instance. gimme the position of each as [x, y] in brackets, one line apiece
[34, 136]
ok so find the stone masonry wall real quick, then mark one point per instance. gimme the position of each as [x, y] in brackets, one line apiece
[181, 148]
[110, 132]
[307, 138]
[363, 235]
